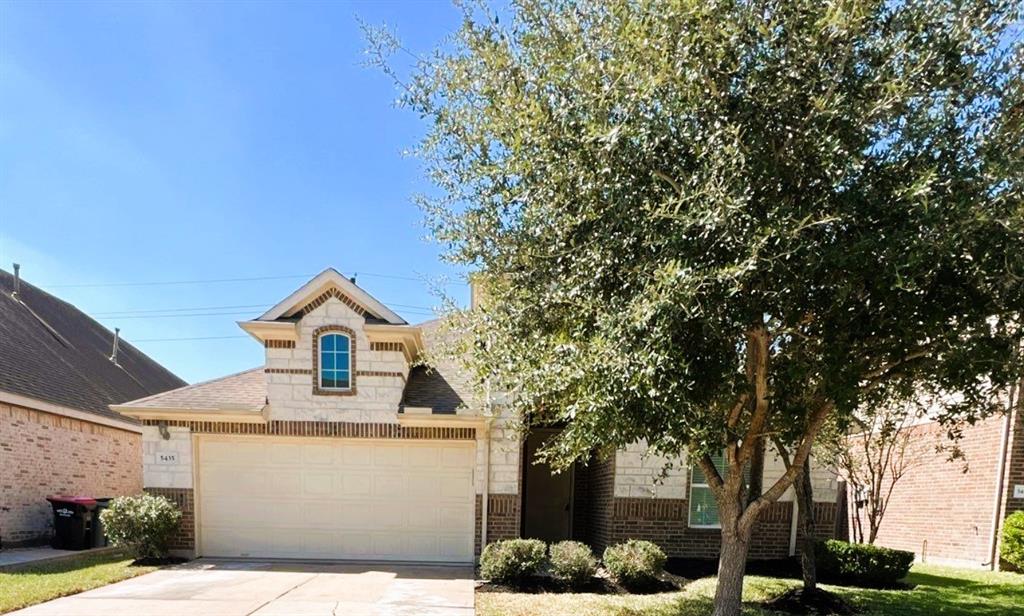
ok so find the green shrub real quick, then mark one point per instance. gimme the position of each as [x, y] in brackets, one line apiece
[1012, 549]
[862, 564]
[141, 524]
[573, 563]
[512, 561]
[634, 564]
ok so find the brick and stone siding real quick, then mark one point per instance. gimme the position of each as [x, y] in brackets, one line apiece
[42, 454]
[942, 510]
[184, 538]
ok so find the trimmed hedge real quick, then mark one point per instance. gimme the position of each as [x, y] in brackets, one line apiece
[1012, 546]
[141, 524]
[635, 564]
[861, 564]
[512, 561]
[572, 563]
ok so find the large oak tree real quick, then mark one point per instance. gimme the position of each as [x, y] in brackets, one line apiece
[715, 224]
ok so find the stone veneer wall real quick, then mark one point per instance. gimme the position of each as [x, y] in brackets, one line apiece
[42, 454]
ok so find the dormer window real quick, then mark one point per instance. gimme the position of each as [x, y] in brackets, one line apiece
[334, 354]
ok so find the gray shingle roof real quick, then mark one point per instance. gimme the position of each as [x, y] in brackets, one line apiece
[52, 351]
[244, 391]
[441, 386]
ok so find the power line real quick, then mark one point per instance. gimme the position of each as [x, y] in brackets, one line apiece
[157, 283]
[182, 339]
[175, 282]
[147, 311]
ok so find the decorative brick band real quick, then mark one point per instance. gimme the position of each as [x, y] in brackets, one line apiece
[326, 295]
[380, 373]
[184, 536]
[287, 371]
[327, 329]
[385, 346]
[279, 344]
[338, 429]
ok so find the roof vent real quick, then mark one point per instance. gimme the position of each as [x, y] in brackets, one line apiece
[352, 278]
[17, 278]
[113, 353]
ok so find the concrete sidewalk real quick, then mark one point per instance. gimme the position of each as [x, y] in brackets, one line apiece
[243, 588]
[12, 558]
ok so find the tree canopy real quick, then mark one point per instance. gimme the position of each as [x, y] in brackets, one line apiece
[703, 223]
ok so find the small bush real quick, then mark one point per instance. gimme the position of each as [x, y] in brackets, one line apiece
[512, 561]
[862, 564]
[1012, 549]
[572, 563]
[634, 564]
[141, 524]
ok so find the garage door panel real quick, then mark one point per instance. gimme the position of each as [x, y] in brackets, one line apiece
[338, 498]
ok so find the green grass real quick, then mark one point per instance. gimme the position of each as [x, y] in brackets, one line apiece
[33, 584]
[938, 591]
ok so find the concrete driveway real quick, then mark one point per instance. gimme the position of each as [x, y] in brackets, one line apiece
[230, 588]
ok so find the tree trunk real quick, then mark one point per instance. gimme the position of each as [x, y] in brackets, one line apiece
[732, 566]
[805, 522]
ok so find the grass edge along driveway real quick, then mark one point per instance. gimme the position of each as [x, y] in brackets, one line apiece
[938, 590]
[35, 583]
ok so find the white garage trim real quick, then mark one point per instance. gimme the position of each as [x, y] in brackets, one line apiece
[334, 498]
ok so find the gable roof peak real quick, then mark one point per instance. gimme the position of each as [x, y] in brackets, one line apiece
[331, 282]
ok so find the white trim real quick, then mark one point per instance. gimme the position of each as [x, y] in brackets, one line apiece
[55, 409]
[240, 416]
[330, 276]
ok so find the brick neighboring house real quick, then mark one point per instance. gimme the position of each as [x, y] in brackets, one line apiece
[341, 446]
[57, 434]
[952, 512]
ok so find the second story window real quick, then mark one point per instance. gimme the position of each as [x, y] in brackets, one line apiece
[335, 361]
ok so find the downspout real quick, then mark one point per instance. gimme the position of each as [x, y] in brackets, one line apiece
[485, 497]
[997, 503]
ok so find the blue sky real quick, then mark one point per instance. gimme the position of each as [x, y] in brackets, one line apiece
[145, 142]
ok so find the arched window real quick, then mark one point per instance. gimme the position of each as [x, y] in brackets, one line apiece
[335, 361]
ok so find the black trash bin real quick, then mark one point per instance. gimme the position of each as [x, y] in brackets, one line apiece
[72, 521]
[99, 534]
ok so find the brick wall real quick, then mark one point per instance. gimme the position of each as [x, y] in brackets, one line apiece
[43, 454]
[502, 518]
[184, 538]
[664, 521]
[939, 511]
[601, 484]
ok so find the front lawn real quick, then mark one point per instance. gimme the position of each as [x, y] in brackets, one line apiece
[938, 590]
[33, 584]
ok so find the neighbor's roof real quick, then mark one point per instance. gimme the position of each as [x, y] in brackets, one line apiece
[244, 391]
[442, 386]
[52, 351]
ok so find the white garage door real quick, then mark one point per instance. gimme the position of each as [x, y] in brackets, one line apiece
[267, 497]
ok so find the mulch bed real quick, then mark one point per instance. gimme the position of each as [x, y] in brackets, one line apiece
[799, 601]
[598, 585]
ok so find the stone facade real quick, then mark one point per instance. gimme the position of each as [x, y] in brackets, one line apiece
[378, 375]
[42, 454]
[942, 510]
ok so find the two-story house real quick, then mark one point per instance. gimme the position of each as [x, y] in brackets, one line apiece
[341, 447]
